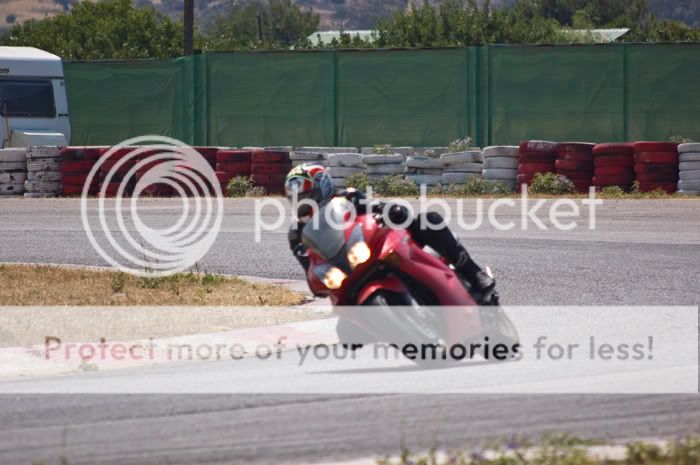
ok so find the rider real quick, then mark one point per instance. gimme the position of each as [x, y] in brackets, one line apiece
[313, 182]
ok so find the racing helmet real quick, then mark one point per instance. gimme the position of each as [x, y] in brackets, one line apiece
[310, 183]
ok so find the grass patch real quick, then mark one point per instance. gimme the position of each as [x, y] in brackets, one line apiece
[243, 186]
[560, 449]
[48, 285]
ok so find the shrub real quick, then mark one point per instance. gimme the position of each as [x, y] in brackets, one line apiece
[358, 181]
[382, 149]
[396, 185]
[477, 185]
[239, 186]
[551, 183]
[613, 191]
[460, 145]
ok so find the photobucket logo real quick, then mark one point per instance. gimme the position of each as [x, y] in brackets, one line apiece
[152, 165]
[503, 214]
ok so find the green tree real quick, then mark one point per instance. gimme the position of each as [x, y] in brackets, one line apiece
[107, 29]
[460, 23]
[283, 24]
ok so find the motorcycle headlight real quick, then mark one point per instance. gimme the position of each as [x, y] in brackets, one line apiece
[358, 250]
[359, 253]
[334, 278]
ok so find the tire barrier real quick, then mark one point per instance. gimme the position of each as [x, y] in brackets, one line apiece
[656, 166]
[429, 151]
[76, 163]
[613, 165]
[689, 169]
[575, 162]
[459, 167]
[269, 169]
[405, 151]
[230, 164]
[536, 156]
[13, 171]
[501, 164]
[424, 170]
[343, 165]
[43, 172]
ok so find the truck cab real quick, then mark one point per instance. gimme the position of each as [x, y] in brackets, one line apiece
[33, 103]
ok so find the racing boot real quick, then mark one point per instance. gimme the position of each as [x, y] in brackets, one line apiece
[472, 273]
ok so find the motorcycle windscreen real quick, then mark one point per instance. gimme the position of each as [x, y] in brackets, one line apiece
[325, 233]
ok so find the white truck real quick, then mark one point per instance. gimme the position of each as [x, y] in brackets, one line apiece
[33, 103]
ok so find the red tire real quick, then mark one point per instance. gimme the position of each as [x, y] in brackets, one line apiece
[602, 161]
[613, 171]
[655, 147]
[577, 175]
[670, 158]
[234, 168]
[270, 168]
[532, 168]
[269, 179]
[538, 146]
[237, 156]
[80, 153]
[669, 187]
[573, 165]
[77, 180]
[576, 147]
[266, 156]
[657, 177]
[624, 181]
[274, 189]
[613, 149]
[655, 168]
[576, 156]
[80, 166]
[538, 157]
[223, 177]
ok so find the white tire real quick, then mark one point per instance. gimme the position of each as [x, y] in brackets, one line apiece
[344, 171]
[457, 178]
[13, 178]
[508, 163]
[424, 162]
[327, 149]
[280, 148]
[437, 171]
[436, 151]
[427, 179]
[382, 159]
[393, 168]
[465, 168]
[690, 156]
[339, 182]
[405, 151]
[344, 159]
[689, 192]
[690, 147]
[16, 155]
[11, 188]
[13, 166]
[501, 151]
[500, 174]
[691, 176]
[458, 158]
[307, 156]
[51, 176]
[43, 164]
[308, 162]
[47, 187]
[42, 152]
[39, 195]
[689, 185]
[689, 165]
[540, 146]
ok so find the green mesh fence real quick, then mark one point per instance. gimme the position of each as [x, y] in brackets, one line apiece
[496, 94]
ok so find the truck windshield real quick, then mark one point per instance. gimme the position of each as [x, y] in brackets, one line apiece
[26, 98]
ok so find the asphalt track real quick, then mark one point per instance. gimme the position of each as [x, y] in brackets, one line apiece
[640, 253]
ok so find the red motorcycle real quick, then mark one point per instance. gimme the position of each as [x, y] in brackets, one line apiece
[386, 288]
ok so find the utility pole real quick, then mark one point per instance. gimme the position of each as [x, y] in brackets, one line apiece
[189, 26]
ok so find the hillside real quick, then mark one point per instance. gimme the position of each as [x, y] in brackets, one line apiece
[348, 14]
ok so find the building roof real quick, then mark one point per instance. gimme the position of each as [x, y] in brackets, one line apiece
[600, 36]
[326, 37]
